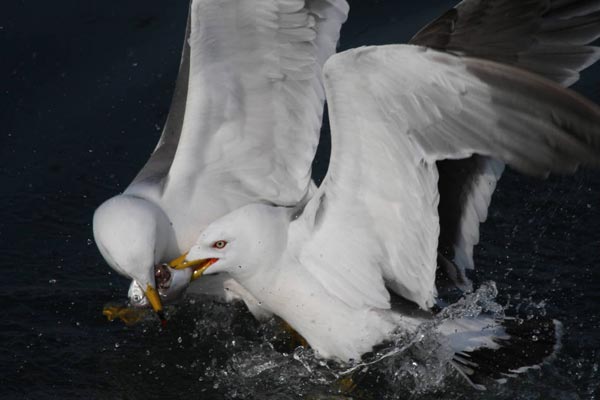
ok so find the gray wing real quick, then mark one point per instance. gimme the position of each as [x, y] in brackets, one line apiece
[545, 37]
[548, 37]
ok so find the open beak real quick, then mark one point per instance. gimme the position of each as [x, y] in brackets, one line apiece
[199, 266]
[154, 299]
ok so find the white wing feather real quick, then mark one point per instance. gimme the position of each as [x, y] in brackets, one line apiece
[395, 111]
[255, 97]
[246, 114]
[547, 37]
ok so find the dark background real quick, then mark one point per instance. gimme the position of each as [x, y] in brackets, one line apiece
[85, 87]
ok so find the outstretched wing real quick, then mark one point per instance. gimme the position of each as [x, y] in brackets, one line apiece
[159, 163]
[395, 111]
[547, 37]
[251, 100]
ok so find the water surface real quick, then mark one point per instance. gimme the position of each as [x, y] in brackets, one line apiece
[86, 89]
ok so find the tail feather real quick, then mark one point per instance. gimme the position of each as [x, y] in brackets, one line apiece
[486, 349]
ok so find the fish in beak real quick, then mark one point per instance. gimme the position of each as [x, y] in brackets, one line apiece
[168, 285]
[198, 267]
[164, 279]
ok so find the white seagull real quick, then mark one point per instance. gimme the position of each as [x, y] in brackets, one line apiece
[243, 128]
[420, 135]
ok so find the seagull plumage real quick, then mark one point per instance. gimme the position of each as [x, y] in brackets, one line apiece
[420, 136]
[401, 115]
[243, 127]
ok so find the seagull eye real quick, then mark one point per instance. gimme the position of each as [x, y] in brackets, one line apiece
[219, 244]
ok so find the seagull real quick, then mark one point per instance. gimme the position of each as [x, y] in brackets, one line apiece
[420, 136]
[243, 128]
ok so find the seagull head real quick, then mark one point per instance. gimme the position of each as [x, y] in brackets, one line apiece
[132, 236]
[240, 243]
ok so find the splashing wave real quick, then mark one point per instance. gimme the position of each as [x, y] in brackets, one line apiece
[257, 359]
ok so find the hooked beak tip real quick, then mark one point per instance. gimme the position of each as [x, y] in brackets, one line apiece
[156, 303]
[163, 319]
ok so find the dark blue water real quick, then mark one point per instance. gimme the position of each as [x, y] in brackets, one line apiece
[85, 89]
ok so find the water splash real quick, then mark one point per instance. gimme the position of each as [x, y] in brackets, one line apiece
[410, 363]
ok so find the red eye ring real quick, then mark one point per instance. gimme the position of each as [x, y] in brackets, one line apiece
[219, 244]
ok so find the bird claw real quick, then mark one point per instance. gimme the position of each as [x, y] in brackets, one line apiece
[129, 315]
[346, 385]
[295, 339]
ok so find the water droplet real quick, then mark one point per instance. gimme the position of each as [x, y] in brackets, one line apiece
[534, 338]
[117, 345]
[179, 339]
[52, 281]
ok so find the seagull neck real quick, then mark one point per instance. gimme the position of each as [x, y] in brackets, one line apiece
[265, 245]
[263, 275]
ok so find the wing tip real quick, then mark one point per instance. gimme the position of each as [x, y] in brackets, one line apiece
[530, 344]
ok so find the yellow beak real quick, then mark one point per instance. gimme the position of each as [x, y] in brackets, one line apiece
[180, 262]
[156, 303]
[199, 266]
